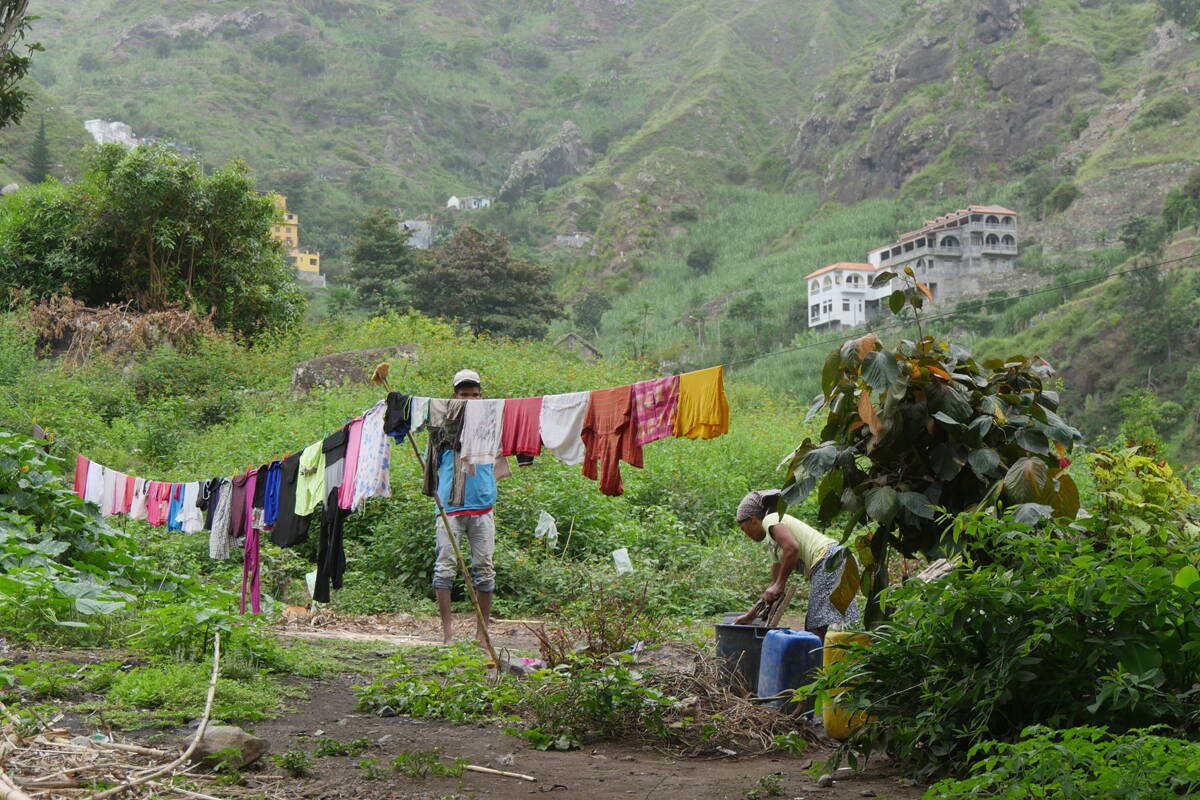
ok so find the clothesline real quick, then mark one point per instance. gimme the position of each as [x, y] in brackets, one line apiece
[597, 429]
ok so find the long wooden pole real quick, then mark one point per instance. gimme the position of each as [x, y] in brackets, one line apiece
[462, 564]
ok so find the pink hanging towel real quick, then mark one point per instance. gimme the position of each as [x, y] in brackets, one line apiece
[250, 570]
[655, 405]
[81, 471]
[521, 429]
[350, 468]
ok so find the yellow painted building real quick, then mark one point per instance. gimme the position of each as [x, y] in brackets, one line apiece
[287, 230]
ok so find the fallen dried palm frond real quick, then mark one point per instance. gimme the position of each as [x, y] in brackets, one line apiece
[38, 760]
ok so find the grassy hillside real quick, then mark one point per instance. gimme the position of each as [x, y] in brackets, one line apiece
[345, 104]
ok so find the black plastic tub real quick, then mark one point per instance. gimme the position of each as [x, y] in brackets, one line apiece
[739, 649]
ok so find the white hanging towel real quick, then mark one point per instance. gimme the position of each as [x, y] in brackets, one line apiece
[419, 412]
[562, 424]
[191, 517]
[481, 431]
[138, 508]
[108, 502]
[94, 491]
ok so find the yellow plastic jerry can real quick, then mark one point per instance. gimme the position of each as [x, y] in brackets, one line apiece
[839, 722]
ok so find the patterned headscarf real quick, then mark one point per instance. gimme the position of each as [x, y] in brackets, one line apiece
[757, 504]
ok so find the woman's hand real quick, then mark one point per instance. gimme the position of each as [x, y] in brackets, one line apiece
[772, 593]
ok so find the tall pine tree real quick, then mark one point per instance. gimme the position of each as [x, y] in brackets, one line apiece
[39, 156]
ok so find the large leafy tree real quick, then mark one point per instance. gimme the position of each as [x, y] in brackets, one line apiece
[476, 279]
[924, 426]
[13, 66]
[380, 261]
[145, 226]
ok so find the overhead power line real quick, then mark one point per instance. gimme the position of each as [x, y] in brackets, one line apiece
[834, 340]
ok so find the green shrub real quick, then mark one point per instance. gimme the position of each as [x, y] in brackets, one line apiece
[1060, 198]
[1036, 627]
[456, 686]
[1164, 108]
[1080, 764]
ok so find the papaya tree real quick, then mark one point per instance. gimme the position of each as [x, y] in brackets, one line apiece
[924, 427]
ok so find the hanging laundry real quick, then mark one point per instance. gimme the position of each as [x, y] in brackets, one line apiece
[331, 555]
[373, 477]
[703, 409]
[238, 504]
[219, 533]
[350, 467]
[419, 413]
[335, 459]
[81, 473]
[175, 509]
[480, 442]
[260, 485]
[137, 509]
[562, 423]
[610, 436]
[208, 500]
[251, 572]
[93, 491]
[290, 528]
[270, 505]
[191, 518]
[155, 508]
[655, 406]
[445, 433]
[397, 418]
[109, 499]
[310, 481]
[521, 433]
[127, 500]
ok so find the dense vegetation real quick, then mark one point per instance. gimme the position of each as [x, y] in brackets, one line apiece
[146, 227]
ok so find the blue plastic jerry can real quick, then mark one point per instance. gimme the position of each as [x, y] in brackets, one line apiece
[789, 660]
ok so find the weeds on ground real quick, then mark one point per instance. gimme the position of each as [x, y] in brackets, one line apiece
[457, 686]
[601, 620]
[175, 693]
[371, 770]
[792, 742]
[297, 763]
[422, 763]
[328, 746]
[62, 679]
[767, 786]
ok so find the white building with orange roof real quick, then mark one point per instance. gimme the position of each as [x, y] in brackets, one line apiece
[840, 296]
[954, 255]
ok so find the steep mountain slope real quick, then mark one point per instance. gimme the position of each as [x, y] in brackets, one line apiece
[344, 104]
[1095, 95]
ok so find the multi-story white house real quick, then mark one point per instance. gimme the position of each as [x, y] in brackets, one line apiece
[840, 296]
[952, 255]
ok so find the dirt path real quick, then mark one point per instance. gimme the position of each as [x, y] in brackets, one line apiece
[605, 770]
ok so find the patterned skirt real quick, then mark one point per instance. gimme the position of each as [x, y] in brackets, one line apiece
[822, 583]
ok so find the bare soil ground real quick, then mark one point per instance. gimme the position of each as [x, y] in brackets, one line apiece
[600, 770]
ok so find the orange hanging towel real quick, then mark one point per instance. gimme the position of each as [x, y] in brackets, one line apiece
[703, 409]
[610, 437]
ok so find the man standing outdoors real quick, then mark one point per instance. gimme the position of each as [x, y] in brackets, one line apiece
[473, 518]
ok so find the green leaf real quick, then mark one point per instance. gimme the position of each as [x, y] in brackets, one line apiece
[984, 461]
[881, 278]
[896, 301]
[88, 605]
[1186, 577]
[1026, 480]
[942, 416]
[831, 371]
[1032, 513]
[917, 504]
[882, 504]
[1033, 440]
[880, 370]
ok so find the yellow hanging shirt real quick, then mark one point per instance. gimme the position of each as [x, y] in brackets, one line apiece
[703, 410]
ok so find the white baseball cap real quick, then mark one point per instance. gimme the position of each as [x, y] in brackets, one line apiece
[466, 376]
